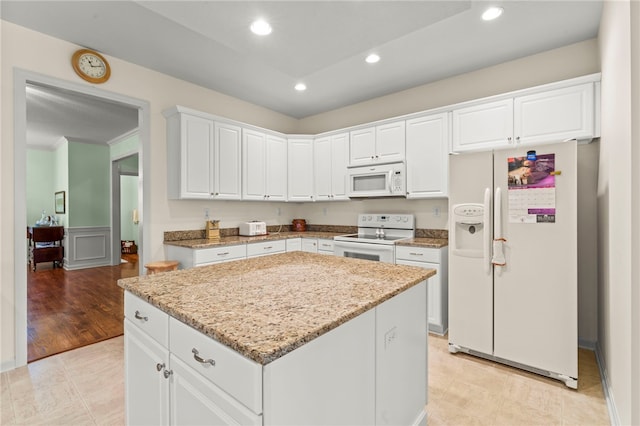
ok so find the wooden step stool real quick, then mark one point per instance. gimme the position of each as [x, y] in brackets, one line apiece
[161, 266]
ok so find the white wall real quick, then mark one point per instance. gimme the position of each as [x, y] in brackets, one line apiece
[26, 49]
[617, 332]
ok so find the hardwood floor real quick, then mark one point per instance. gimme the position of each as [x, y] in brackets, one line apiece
[70, 309]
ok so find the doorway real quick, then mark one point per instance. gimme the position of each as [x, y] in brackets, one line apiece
[22, 79]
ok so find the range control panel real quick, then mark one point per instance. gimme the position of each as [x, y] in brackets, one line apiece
[395, 221]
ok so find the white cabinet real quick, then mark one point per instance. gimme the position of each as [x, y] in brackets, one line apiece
[189, 156]
[300, 163]
[163, 383]
[375, 145]
[227, 162]
[330, 156]
[293, 244]
[325, 246]
[310, 245]
[264, 166]
[266, 247]
[484, 126]
[203, 157]
[427, 156]
[555, 115]
[190, 257]
[545, 116]
[438, 285]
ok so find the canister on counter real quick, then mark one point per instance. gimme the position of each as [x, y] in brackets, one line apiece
[299, 225]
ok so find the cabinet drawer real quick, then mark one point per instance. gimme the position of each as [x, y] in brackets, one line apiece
[147, 317]
[418, 254]
[310, 245]
[240, 377]
[219, 254]
[267, 247]
[325, 245]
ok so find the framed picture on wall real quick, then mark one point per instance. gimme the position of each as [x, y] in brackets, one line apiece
[59, 202]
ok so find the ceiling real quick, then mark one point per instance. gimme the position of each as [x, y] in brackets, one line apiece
[320, 43]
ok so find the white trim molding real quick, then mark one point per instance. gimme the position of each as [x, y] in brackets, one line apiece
[614, 419]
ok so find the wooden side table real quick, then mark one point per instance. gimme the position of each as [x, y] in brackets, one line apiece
[161, 266]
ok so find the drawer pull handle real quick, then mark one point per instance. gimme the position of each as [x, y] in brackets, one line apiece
[416, 254]
[223, 254]
[140, 317]
[201, 360]
[268, 247]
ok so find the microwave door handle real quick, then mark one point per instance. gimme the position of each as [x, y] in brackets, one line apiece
[390, 181]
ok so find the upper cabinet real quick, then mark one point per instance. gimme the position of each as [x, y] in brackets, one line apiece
[300, 169]
[264, 166]
[227, 172]
[545, 116]
[376, 145]
[203, 157]
[189, 156]
[427, 156]
[330, 156]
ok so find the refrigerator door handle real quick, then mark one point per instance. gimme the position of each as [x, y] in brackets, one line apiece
[487, 231]
[498, 258]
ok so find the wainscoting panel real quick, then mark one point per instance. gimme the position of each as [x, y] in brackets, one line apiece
[87, 247]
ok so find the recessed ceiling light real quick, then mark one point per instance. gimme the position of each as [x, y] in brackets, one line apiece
[300, 87]
[260, 27]
[492, 13]
[372, 58]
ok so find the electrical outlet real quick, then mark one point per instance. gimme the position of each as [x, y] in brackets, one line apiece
[390, 336]
[324, 211]
[206, 213]
[436, 211]
[278, 211]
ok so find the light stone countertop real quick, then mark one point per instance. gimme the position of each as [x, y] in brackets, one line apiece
[265, 307]
[424, 242]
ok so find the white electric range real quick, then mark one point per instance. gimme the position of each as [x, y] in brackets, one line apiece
[376, 237]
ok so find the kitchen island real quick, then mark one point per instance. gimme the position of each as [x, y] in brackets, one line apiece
[294, 338]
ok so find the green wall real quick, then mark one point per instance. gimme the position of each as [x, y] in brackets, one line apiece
[40, 184]
[88, 197]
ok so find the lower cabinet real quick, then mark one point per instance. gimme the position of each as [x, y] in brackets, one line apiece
[371, 369]
[325, 246]
[294, 244]
[310, 245]
[189, 257]
[438, 285]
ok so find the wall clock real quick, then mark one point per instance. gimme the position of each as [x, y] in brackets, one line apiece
[91, 66]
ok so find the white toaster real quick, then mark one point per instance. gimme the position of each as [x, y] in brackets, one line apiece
[252, 228]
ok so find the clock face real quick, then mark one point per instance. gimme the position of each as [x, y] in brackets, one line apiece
[91, 66]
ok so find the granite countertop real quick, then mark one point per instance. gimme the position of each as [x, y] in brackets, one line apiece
[424, 242]
[267, 306]
[201, 243]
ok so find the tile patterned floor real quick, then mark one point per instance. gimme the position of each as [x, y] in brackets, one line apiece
[86, 387]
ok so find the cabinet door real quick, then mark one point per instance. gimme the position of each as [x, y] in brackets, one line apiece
[276, 169]
[300, 153]
[322, 164]
[253, 165]
[227, 162]
[310, 245]
[436, 301]
[362, 146]
[555, 115]
[195, 401]
[390, 142]
[339, 159]
[146, 388]
[196, 135]
[427, 156]
[483, 127]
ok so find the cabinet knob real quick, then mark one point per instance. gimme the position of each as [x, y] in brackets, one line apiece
[509, 139]
[517, 139]
[167, 373]
[159, 366]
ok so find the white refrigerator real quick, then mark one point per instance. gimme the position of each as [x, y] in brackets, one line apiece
[513, 258]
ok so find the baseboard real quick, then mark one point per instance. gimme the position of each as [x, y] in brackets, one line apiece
[7, 365]
[587, 344]
[614, 419]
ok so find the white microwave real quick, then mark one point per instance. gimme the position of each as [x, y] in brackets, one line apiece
[385, 180]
